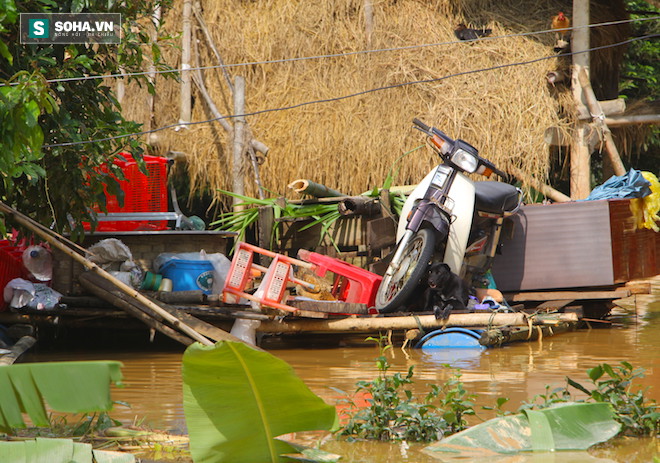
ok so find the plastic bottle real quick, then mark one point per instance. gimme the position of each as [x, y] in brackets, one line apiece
[39, 262]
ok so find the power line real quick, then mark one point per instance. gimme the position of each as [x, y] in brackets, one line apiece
[333, 55]
[352, 95]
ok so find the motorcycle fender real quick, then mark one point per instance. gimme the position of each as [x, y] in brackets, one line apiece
[427, 212]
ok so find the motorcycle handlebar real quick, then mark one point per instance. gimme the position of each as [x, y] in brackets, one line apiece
[422, 126]
[433, 131]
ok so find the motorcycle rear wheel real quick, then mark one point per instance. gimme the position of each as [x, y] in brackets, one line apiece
[394, 290]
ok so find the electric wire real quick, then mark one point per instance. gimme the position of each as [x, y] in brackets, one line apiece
[332, 55]
[344, 97]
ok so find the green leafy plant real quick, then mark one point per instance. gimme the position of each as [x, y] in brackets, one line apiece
[70, 387]
[551, 397]
[43, 450]
[393, 414]
[237, 400]
[455, 402]
[54, 103]
[614, 385]
[564, 426]
[247, 213]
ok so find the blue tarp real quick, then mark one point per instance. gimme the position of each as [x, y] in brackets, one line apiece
[630, 185]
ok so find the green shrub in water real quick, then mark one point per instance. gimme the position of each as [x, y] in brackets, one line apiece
[639, 415]
[393, 414]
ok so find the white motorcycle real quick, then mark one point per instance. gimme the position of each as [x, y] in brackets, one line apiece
[448, 218]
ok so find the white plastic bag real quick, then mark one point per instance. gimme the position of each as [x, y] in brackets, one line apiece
[109, 251]
[18, 293]
[245, 330]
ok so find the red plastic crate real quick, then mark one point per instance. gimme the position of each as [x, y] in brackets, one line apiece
[142, 193]
[11, 266]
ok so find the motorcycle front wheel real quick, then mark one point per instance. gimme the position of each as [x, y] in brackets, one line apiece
[397, 286]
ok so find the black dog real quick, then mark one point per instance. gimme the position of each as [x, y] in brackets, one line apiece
[446, 291]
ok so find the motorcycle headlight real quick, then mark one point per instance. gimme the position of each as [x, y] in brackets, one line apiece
[465, 161]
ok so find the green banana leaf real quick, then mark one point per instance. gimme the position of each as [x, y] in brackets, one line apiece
[237, 400]
[70, 387]
[569, 426]
[42, 450]
[310, 455]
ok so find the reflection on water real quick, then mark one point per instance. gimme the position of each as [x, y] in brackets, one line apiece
[519, 372]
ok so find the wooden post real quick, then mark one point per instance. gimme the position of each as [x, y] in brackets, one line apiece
[185, 114]
[580, 150]
[238, 185]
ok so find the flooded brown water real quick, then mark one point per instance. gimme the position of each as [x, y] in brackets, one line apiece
[518, 371]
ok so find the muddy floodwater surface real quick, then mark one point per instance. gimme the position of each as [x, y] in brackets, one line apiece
[517, 371]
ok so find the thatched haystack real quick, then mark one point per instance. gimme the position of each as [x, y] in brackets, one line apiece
[350, 115]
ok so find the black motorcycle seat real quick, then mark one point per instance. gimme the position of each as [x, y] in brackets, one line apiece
[495, 197]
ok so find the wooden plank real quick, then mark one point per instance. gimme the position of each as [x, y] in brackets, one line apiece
[563, 295]
[381, 233]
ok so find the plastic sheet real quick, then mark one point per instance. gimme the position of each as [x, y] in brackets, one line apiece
[630, 185]
[646, 209]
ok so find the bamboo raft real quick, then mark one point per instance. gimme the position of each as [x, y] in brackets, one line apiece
[188, 317]
[111, 309]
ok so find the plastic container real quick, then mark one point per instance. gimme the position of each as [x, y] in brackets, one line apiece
[189, 275]
[11, 266]
[151, 281]
[142, 193]
[39, 262]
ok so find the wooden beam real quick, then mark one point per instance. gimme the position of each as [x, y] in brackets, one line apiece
[609, 107]
[565, 295]
[620, 121]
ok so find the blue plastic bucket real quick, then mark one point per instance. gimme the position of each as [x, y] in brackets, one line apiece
[189, 275]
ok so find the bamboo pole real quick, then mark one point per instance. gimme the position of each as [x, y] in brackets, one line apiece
[98, 286]
[368, 20]
[256, 145]
[317, 190]
[185, 114]
[545, 189]
[498, 337]
[155, 20]
[599, 121]
[368, 325]
[48, 237]
[238, 185]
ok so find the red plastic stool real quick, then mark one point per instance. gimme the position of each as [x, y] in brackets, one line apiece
[352, 283]
[271, 291]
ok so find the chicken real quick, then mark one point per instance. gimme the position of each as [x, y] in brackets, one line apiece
[558, 76]
[561, 24]
[463, 32]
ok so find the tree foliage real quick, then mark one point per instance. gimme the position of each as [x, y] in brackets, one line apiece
[640, 77]
[49, 115]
